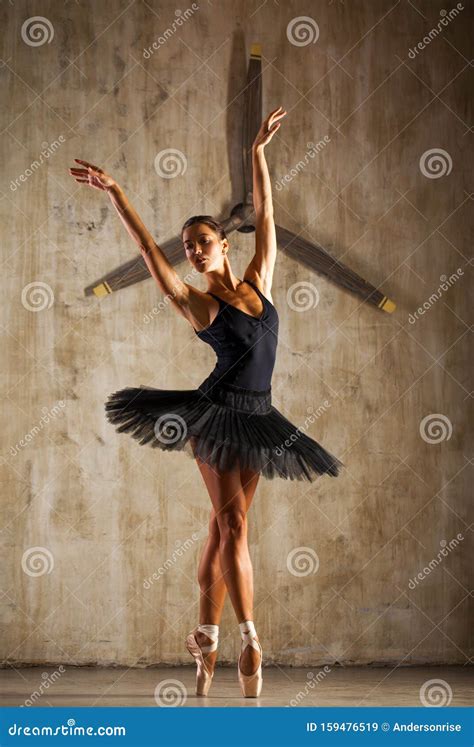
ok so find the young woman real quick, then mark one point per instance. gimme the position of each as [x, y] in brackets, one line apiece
[228, 424]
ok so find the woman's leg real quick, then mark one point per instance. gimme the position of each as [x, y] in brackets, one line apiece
[211, 581]
[212, 589]
[226, 561]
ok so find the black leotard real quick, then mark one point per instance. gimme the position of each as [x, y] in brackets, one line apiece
[229, 420]
[245, 345]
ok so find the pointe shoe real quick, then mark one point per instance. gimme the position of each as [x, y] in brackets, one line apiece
[251, 684]
[203, 675]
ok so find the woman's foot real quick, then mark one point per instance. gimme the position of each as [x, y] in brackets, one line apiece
[203, 648]
[211, 656]
[250, 662]
[250, 658]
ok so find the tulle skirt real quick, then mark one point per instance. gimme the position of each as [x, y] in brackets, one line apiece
[223, 425]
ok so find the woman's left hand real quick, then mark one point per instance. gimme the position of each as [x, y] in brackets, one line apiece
[268, 127]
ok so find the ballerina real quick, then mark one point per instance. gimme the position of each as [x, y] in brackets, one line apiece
[228, 423]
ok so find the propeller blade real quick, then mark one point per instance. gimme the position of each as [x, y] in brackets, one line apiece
[136, 270]
[242, 219]
[133, 271]
[318, 259]
[252, 117]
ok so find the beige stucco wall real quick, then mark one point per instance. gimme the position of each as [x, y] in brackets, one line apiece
[109, 513]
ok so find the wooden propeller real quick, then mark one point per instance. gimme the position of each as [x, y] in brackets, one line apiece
[241, 219]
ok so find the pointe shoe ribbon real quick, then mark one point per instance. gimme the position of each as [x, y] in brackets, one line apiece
[251, 684]
[203, 675]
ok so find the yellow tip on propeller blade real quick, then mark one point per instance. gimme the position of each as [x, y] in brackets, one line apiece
[256, 50]
[102, 290]
[388, 305]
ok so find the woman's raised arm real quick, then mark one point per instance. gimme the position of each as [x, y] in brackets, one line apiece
[262, 265]
[160, 268]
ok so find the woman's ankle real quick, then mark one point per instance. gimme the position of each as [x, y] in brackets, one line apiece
[207, 634]
[247, 629]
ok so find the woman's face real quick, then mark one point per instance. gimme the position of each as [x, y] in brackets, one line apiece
[203, 247]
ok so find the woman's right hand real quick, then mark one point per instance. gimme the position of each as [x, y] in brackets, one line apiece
[268, 128]
[92, 175]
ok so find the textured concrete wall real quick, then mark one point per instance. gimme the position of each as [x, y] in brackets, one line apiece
[333, 560]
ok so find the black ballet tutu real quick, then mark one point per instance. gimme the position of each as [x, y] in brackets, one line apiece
[232, 426]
